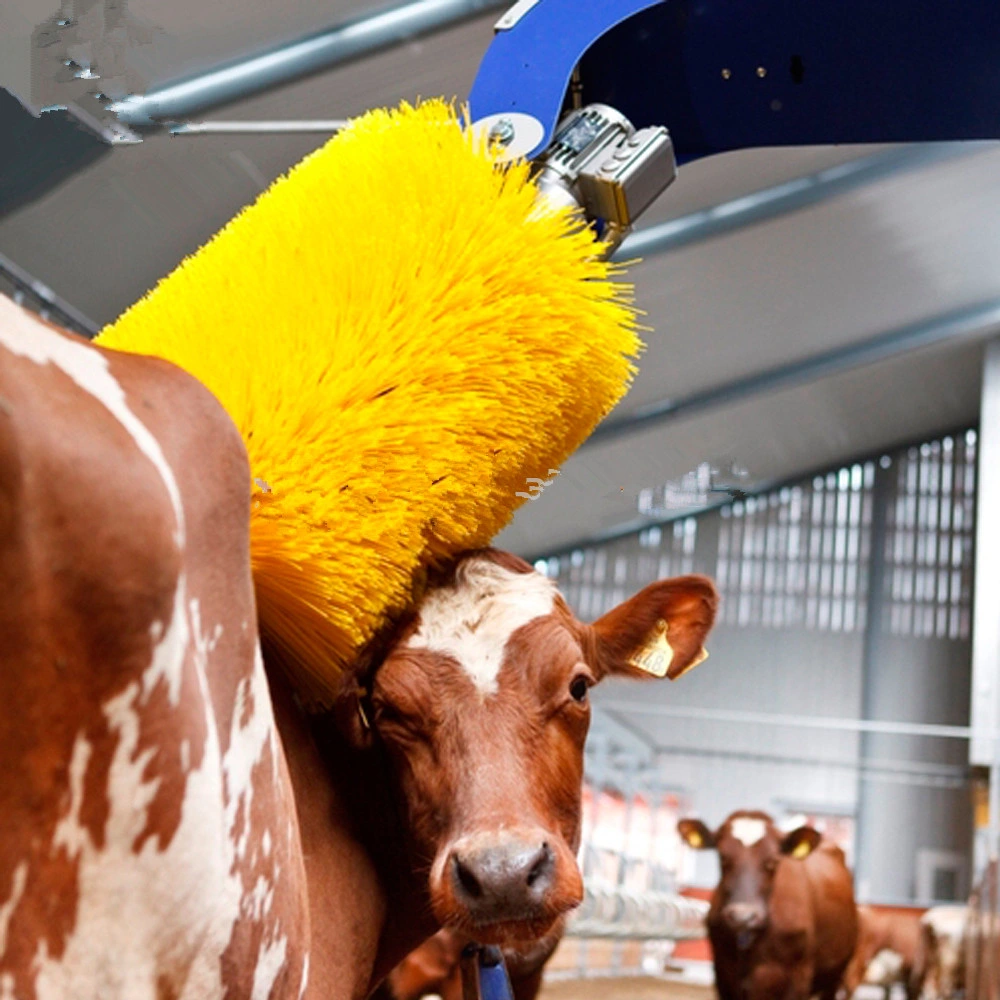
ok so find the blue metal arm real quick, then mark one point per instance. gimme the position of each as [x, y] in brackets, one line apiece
[528, 66]
[730, 74]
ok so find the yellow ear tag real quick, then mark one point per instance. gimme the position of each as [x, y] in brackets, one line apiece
[695, 839]
[656, 655]
[700, 658]
[801, 849]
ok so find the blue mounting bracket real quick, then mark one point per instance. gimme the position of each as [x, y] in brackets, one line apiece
[727, 74]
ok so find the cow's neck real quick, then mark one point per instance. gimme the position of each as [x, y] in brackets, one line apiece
[368, 908]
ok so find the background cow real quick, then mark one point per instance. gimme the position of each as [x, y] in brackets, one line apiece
[782, 920]
[943, 933]
[889, 950]
[174, 824]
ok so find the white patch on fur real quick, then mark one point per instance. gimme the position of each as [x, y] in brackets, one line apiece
[748, 831]
[259, 901]
[179, 903]
[305, 976]
[168, 653]
[948, 925]
[25, 336]
[7, 987]
[246, 747]
[947, 921]
[270, 962]
[885, 968]
[473, 620]
[7, 910]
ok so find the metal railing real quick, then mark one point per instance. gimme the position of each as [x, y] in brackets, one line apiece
[647, 916]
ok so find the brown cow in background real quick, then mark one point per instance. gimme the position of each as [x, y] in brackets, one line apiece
[782, 921]
[880, 932]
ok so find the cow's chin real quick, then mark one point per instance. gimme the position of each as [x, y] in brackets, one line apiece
[507, 934]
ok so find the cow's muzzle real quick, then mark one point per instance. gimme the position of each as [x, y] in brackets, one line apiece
[502, 887]
[745, 918]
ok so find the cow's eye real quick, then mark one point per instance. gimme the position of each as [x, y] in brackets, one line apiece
[770, 864]
[578, 689]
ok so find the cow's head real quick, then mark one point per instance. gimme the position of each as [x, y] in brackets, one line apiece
[750, 850]
[483, 709]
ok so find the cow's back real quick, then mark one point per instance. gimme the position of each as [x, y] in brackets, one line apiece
[834, 910]
[149, 846]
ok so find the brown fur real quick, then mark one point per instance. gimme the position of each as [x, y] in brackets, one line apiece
[89, 563]
[880, 931]
[808, 926]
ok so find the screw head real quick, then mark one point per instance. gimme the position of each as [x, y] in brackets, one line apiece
[502, 132]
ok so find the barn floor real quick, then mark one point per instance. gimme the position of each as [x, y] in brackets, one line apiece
[637, 988]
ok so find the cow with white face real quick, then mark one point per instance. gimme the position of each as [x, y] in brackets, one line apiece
[481, 709]
[174, 826]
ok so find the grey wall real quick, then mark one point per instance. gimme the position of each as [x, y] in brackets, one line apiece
[813, 626]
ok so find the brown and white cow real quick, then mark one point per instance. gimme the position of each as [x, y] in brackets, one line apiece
[173, 825]
[943, 935]
[882, 934]
[782, 921]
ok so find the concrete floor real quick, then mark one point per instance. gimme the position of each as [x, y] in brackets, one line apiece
[638, 988]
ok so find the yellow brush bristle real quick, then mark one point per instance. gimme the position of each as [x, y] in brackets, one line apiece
[402, 337]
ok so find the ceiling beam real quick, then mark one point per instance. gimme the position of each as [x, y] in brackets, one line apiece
[313, 54]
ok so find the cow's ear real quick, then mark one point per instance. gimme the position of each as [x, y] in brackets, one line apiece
[801, 842]
[352, 712]
[660, 632]
[695, 834]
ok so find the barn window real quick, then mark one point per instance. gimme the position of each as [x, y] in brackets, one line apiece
[800, 556]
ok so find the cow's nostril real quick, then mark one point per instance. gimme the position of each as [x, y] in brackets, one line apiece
[466, 879]
[503, 878]
[542, 866]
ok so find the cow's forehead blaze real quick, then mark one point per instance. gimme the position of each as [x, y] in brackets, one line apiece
[749, 831]
[472, 619]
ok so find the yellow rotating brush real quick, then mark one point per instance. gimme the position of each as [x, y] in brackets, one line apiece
[403, 337]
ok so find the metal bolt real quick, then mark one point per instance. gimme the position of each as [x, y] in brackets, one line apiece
[502, 132]
[761, 72]
[726, 74]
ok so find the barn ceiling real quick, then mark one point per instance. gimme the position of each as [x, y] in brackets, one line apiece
[909, 248]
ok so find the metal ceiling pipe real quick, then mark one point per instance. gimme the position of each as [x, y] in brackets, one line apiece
[322, 126]
[791, 196]
[740, 717]
[315, 53]
[28, 291]
[970, 321]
